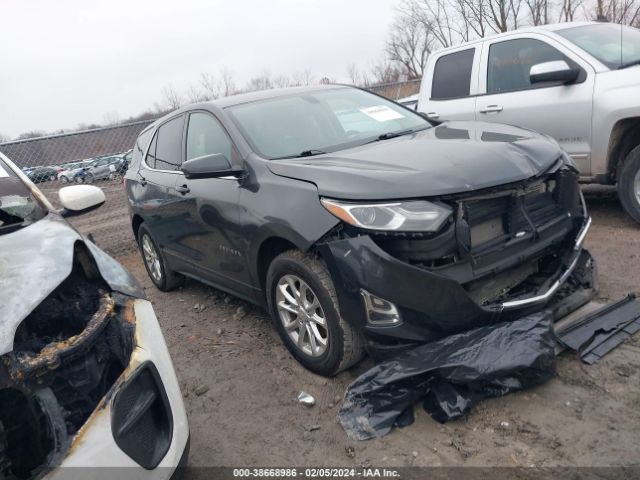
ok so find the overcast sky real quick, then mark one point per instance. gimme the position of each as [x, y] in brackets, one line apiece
[65, 62]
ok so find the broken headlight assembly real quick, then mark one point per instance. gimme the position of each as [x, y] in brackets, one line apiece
[401, 216]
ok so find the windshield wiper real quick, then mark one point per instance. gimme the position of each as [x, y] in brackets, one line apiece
[304, 153]
[629, 64]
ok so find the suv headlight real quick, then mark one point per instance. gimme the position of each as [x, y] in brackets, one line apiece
[409, 216]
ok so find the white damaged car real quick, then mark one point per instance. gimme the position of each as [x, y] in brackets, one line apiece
[86, 379]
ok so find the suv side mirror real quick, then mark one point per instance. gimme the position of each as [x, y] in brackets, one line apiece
[78, 199]
[209, 166]
[557, 71]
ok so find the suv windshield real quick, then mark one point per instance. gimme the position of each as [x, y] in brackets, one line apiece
[614, 45]
[320, 122]
[18, 207]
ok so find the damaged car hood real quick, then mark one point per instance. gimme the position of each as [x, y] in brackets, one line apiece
[453, 157]
[35, 260]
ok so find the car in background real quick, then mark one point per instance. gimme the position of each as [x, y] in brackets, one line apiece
[86, 379]
[410, 102]
[99, 168]
[42, 174]
[356, 222]
[67, 174]
[577, 82]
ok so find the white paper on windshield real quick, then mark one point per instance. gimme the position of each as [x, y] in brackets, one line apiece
[381, 113]
[3, 172]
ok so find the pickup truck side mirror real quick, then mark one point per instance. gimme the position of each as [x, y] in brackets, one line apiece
[209, 166]
[558, 71]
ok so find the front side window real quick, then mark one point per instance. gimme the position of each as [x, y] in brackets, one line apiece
[19, 207]
[320, 121]
[169, 145]
[510, 63]
[205, 136]
[452, 75]
[614, 45]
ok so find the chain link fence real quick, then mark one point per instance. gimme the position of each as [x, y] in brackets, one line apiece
[99, 156]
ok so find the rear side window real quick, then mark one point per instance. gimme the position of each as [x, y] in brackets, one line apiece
[169, 145]
[510, 63]
[150, 160]
[205, 136]
[452, 75]
[139, 148]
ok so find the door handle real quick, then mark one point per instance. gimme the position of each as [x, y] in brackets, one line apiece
[491, 109]
[433, 115]
[183, 189]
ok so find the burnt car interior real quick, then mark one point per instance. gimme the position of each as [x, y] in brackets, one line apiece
[68, 353]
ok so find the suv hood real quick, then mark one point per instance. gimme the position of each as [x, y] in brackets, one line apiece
[450, 158]
[35, 260]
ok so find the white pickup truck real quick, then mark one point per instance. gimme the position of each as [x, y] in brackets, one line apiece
[577, 82]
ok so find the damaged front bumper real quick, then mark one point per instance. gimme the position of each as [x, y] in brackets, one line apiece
[89, 381]
[94, 445]
[425, 304]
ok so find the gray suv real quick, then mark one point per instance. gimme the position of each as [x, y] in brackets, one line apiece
[577, 82]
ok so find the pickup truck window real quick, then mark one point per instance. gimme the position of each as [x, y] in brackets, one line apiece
[510, 63]
[452, 75]
[614, 45]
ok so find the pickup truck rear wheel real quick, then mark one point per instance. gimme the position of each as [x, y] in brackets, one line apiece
[629, 184]
[303, 305]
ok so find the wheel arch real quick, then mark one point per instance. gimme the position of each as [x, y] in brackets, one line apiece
[136, 221]
[625, 136]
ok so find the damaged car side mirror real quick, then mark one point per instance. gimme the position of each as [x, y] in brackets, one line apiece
[78, 199]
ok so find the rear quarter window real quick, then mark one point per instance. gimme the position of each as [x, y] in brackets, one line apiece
[452, 75]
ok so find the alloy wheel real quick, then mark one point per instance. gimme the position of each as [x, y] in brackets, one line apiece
[302, 315]
[151, 258]
[636, 186]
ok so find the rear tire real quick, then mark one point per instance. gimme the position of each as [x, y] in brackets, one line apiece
[629, 184]
[64, 179]
[89, 178]
[160, 274]
[294, 271]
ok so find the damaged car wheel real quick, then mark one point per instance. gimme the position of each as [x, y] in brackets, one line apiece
[302, 302]
[161, 275]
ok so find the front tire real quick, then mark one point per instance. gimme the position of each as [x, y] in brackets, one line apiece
[629, 184]
[303, 305]
[160, 274]
[64, 179]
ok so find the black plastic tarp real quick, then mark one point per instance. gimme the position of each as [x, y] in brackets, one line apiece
[450, 375]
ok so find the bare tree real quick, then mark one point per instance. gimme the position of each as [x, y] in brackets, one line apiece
[620, 11]
[568, 10]
[172, 99]
[111, 118]
[260, 82]
[4, 137]
[227, 83]
[357, 76]
[383, 71]
[281, 81]
[305, 77]
[33, 134]
[410, 43]
[538, 11]
[210, 85]
[196, 94]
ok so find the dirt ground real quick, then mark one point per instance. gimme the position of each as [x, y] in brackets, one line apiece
[249, 416]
